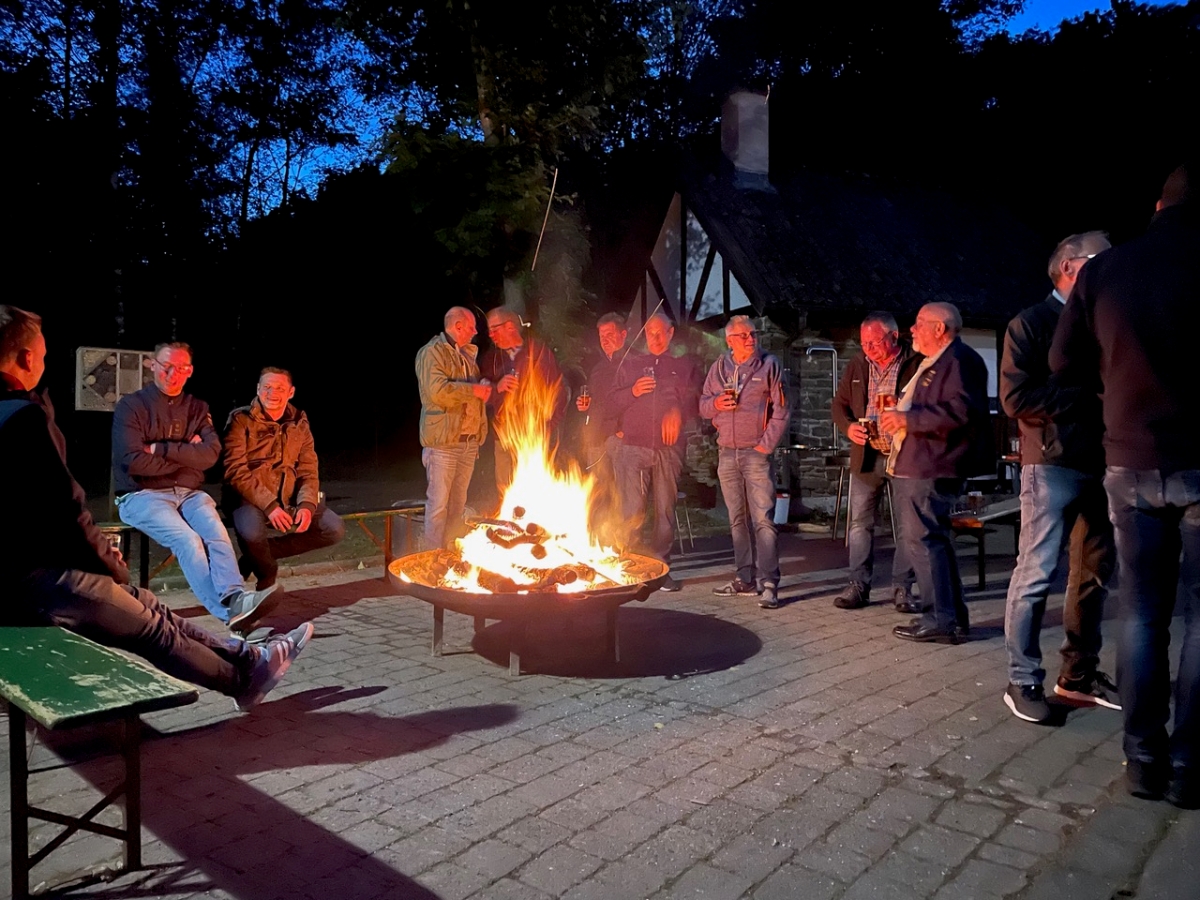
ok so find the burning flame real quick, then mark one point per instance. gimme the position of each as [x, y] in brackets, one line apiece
[550, 502]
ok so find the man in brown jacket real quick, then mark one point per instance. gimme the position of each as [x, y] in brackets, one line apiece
[271, 480]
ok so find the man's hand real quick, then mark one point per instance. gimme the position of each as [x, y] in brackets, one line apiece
[857, 434]
[644, 385]
[725, 402]
[279, 519]
[583, 404]
[303, 519]
[196, 439]
[148, 448]
[891, 421]
[670, 427]
[507, 384]
[482, 391]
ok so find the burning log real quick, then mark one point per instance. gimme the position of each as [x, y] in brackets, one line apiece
[509, 535]
[497, 584]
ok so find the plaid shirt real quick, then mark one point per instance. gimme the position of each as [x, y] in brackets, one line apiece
[881, 380]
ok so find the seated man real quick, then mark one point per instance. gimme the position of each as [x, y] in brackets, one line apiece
[58, 569]
[271, 482]
[163, 440]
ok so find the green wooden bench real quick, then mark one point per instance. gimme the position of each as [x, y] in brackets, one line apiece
[406, 513]
[62, 681]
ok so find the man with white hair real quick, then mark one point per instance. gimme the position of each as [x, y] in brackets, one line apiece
[941, 434]
[453, 423]
[743, 396]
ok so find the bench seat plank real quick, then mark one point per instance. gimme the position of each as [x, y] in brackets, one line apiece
[63, 680]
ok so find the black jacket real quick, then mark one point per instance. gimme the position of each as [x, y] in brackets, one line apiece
[47, 525]
[149, 417]
[1060, 425]
[850, 401]
[1130, 331]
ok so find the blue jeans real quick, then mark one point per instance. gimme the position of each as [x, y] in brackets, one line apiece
[262, 545]
[186, 522]
[653, 472]
[925, 505]
[448, 473]
[1058, 504]
[748, 484]
[1157, 523]
[865, 494]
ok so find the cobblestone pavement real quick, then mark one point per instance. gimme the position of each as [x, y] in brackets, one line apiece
[732, 752]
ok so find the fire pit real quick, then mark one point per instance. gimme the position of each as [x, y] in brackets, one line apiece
[420, 575]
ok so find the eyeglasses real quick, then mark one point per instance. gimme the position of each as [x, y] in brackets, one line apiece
[1088, 256]
[882, 342]
[169, 368]
[743, 336]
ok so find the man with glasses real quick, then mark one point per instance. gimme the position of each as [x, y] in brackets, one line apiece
[886, 364]
[743, 395]
[941, 435]
[272, 481]
[1062, 499]
[505, 365]
[163, 441]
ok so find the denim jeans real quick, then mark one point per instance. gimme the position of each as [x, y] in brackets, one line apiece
[186, 522]
[748, 484]
[132, 619]
[650, 472]
[865, 494]
[1156, 519]
[448, 473]
[262, 545]
[1059, 504]
[925, 505]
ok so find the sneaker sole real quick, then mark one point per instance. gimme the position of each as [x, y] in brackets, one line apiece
[1008, 701]
[1085, 699]
[251, 702]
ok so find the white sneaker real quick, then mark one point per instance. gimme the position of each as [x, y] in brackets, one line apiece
[248, 607]
[275, 657]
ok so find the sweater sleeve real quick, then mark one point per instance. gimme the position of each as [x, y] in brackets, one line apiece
[779, 412]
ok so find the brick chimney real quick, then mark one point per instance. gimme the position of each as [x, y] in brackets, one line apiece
[745, 120]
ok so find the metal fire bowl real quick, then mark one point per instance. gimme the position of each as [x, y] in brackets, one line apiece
[418, 568]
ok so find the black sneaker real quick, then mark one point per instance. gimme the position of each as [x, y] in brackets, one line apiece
[736, 588]
[1028, 702]
[1146, 780]
[1184, 791]
[1098, 690]
[854, 596]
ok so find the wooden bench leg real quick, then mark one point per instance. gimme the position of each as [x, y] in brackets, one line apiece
[18, 781]
[132, 751]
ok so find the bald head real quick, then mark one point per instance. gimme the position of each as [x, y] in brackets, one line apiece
[1177, 189]
[454, 313]
[460, 325]
[936, 326]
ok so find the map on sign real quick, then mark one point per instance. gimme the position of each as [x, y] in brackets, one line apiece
[104, 375]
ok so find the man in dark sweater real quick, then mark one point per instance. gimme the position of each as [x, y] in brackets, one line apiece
[1062, 497]
[657, 396]
[163, 440]
[1129, 332]
[58, 569]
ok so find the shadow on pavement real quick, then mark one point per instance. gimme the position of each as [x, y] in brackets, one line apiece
[653, 642]
[209, 795]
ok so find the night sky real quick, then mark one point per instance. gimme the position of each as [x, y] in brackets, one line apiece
[1047, 14]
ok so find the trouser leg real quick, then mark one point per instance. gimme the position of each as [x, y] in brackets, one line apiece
[325, 530]
[1092, 558]
[200, 513]
[1184, 489]
[251, 525]
[665, 494]
[758, 473]
[733, 489]
[134, 620]
[863, 514]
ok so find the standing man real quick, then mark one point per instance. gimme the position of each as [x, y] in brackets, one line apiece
[941, 435]
[163, 441]
[885, 365]
[510, 359]
[453, 423]
[272, 480]
[743, 395]
[1129, 331]
[600, 427]
[1062, 497]
[656, 396]
[58, 569]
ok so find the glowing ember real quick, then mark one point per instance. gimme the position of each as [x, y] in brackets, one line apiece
[540, 539]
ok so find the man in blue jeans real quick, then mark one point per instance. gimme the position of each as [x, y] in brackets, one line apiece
[743, 395]
[1062, 497]
[1129, 331]
[163, 441]
[885, 365]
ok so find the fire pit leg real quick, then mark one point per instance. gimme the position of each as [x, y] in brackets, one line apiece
[439, 621]
[611, 644]
[515, 647]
